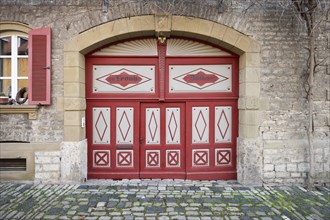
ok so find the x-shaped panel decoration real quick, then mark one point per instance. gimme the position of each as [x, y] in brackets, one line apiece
[200, 157]
[101, 158]
[223, 157]
[152, 158]
[173, 158]
[124, 158]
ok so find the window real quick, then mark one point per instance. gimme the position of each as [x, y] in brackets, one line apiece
[13, 63]
[25, 61]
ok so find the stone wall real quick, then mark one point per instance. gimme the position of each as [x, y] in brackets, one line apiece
[282, 117]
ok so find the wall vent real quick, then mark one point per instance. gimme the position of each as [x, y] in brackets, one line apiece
[13, 164]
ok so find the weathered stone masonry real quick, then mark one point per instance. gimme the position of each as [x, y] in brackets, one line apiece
[272, 145]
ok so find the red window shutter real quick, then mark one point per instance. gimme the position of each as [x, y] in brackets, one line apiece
[40, 66]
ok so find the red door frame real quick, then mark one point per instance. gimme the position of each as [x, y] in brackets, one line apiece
[162, 81]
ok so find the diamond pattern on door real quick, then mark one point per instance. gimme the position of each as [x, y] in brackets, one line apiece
[101, 158]
[124, 121]
[152, 126]
[200, 157]
[172, 125]
[152, 158]
[200, 125]
[124, 158]
[222, 128]
[200, 78]
[172, 158]
[101, 125]
[123, 79]
[222, 156]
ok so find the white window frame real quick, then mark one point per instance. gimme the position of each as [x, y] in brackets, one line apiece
[14, 62]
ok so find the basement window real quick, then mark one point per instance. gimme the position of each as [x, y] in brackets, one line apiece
[13, 164]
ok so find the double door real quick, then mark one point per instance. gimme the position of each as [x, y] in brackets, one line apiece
[194, 140]
[162, 140]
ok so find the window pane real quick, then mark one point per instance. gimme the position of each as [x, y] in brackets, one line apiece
[22, 67]
[5, 46]
[22, 46]
[5, 67]
[22, 83]
[5, 86]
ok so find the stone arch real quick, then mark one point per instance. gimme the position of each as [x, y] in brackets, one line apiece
[248, 145]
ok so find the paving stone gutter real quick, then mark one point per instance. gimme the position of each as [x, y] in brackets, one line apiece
[161, 199]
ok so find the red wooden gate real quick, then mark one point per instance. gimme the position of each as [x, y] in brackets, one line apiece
[162, 110]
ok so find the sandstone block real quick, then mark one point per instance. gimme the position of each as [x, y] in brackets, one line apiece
[280, 168]
[282, 174]
[295, 175]
[269, 175]
[292, 167]
[269, 167]
[303, 167]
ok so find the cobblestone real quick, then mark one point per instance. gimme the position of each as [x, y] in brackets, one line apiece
[161, 199]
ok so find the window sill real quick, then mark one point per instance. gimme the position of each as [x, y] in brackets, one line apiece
[31, 110]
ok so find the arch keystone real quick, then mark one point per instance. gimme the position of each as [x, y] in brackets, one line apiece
[163, 24]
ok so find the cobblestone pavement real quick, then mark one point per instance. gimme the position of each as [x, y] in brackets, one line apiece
[161, 199]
